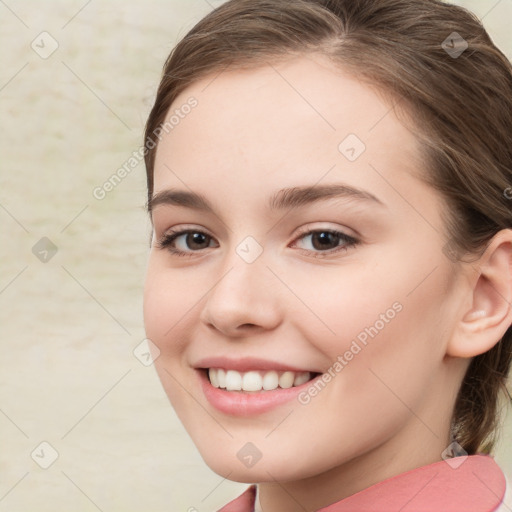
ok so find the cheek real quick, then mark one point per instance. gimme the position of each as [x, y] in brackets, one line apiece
[345, 305]
[400, 323]
[169, 300]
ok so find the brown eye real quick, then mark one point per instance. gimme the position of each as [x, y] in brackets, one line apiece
[324, 239]
[185, 242]
[324, 242]
[196, 240]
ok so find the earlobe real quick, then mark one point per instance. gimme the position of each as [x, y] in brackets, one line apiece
[490, 313]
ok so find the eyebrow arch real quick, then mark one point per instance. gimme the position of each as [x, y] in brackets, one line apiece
[286, 198]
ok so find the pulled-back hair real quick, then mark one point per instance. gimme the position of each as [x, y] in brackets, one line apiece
[439, 67]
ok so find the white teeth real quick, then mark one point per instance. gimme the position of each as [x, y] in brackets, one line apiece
[253, 380]
[286, 380]
[221, 377]
[270, 381]
[213, 377]
[233, 381]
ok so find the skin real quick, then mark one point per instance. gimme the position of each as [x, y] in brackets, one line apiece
[252, 133]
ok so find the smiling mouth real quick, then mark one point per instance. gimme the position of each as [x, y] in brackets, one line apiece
[256, 380]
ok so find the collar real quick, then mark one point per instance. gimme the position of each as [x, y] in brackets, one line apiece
[476, 485]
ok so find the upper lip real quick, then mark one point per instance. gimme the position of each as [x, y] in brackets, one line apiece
[245, 364]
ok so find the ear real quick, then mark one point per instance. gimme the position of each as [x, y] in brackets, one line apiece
[483, 324]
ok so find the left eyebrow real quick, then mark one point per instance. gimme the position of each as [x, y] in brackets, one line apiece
[296, 197]
[291, 198]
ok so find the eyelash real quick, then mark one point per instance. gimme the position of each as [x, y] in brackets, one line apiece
[168, 239]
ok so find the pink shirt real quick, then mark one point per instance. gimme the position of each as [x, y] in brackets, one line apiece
[477, 485]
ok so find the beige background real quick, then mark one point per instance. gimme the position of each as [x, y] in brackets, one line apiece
[68, 375]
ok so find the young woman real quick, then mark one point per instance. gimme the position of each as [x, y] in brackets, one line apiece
[329, 284]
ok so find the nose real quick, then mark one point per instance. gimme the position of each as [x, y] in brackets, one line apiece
[246, 298]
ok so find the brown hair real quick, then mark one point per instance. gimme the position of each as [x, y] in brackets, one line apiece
[459, 97]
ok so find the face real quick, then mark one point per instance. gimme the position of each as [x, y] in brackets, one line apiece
[313, 263]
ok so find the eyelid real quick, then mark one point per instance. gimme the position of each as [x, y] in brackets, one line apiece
[352, 233]
[348, 241]
[181, 228]
[162, 242]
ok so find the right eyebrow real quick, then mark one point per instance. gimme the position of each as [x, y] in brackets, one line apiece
[291, 198]
[180, 198]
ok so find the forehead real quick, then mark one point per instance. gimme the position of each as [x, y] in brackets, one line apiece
[279, 122]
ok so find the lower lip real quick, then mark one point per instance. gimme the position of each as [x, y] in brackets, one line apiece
[240, 403]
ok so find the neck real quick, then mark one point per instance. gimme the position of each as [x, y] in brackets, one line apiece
[385, 461]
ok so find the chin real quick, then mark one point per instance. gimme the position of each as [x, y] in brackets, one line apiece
[279, 467]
